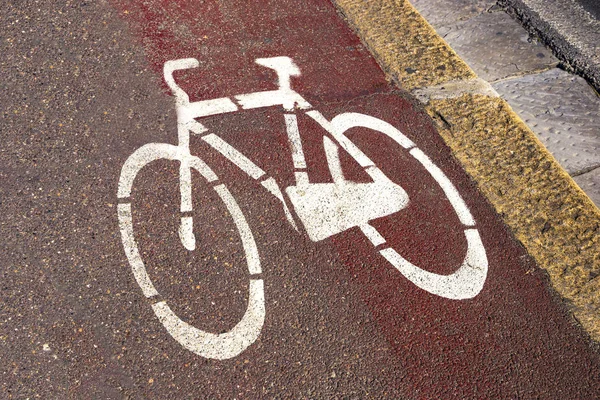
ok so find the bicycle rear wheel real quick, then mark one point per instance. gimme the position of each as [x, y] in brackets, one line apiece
[468, 279]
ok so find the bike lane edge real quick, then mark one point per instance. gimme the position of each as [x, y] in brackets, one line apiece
[545, 209]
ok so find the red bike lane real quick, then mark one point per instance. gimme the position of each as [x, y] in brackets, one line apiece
[340, 319]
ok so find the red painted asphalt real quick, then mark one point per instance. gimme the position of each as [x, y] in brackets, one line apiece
[340, 320]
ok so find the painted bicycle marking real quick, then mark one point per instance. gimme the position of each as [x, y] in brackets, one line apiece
[324, 209]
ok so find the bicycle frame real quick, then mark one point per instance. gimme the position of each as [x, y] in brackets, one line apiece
[321, 219]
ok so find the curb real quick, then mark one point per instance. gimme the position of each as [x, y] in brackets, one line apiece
[559, 36]
[544, 208]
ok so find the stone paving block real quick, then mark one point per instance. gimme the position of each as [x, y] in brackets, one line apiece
[590, 184]
[563, 110]
[440, 13]
[495, 46]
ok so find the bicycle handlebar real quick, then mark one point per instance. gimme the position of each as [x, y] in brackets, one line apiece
[284, 67]
[175, 65]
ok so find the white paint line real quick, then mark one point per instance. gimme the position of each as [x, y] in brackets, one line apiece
[301, 179]
[185, 186]
[172, 66]
[194, 127]
[332, 153]
[453, 89]
[291, 126]
[140, 158]
[152, 152]
[205, 108]
[465, 283]
[249, 168]
[326, 209]
[271, 185]
[185, 124]
[451, 193]
[339, 136]
[372, 234]
[203, 169]
[285, 96]
[218, 346]
[186, 233]
[285, 68]
[345, 121]
[288, 99]
[185, 121]
[376, 174]
[131, 250]
[245, 233]
[234, 155]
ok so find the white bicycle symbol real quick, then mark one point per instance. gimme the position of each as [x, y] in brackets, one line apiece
[325, 209]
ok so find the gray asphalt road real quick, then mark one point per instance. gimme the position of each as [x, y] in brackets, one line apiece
[71, 86]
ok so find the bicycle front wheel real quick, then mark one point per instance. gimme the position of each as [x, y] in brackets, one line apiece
[206, 344]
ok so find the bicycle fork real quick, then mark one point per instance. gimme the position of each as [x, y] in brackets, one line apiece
[185, 124]
[186, 229]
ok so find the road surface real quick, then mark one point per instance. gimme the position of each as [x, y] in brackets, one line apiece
[83, 89]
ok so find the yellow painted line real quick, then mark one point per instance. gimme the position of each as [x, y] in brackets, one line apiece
[547, 212]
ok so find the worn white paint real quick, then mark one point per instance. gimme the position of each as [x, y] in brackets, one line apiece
[325, 209]
[140, 158]
[131, 251]
[338, 135]
[301, 179]
[345, 121]
[465, 283]
[186, 233]
[185, 185]
[332, 153]
[284, 95]
[174, 65]
[291, 125]
[233, 155]
[372, 234]
[204, 108]
[271, 185]
[218, 346]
